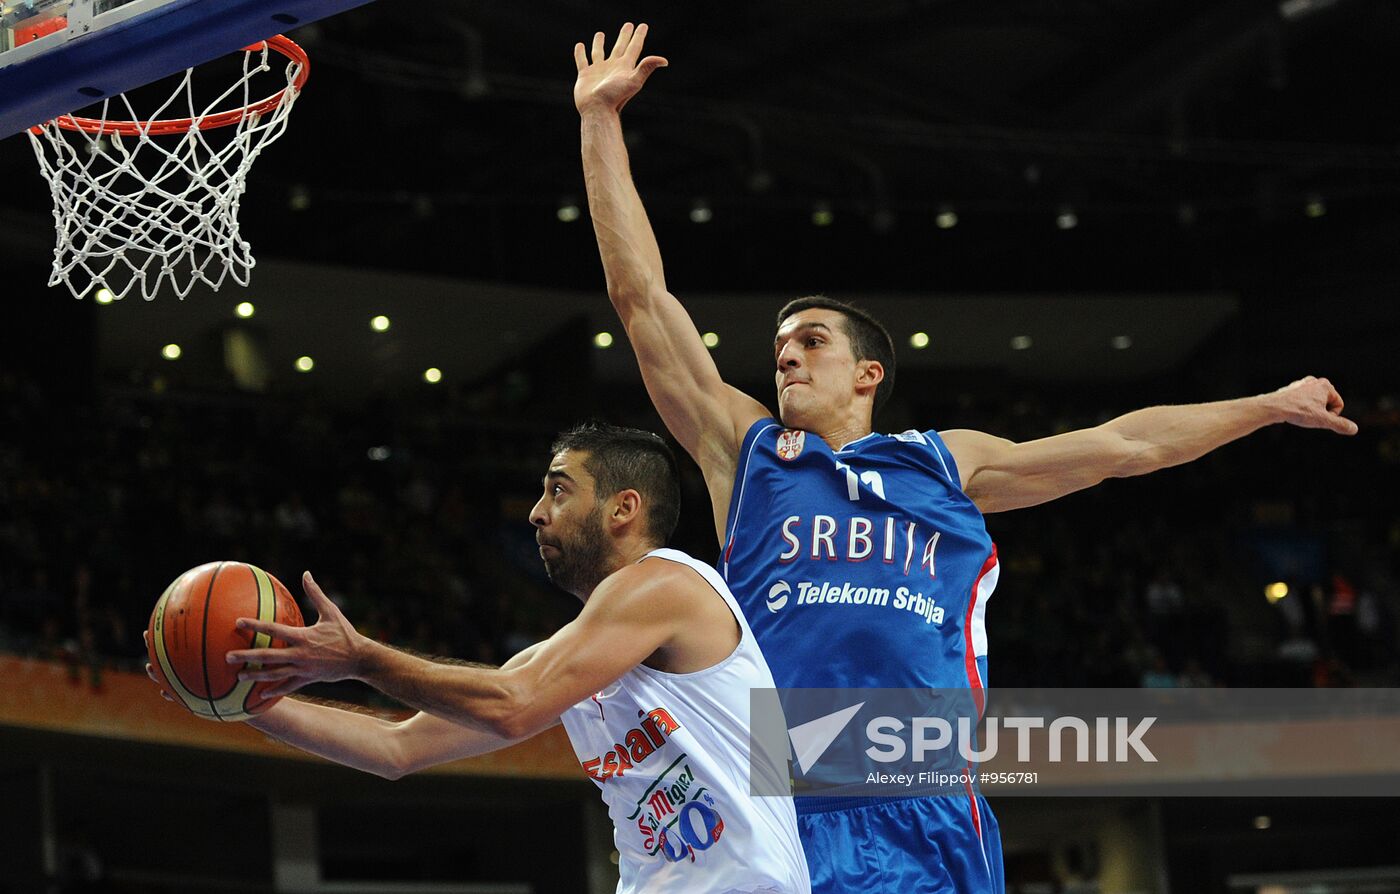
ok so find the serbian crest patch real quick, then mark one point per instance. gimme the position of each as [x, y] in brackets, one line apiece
[790, 444]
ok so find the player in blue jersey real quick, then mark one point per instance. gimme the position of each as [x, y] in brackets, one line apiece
[861, 559]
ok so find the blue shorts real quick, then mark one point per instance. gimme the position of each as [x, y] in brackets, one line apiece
[933, 845]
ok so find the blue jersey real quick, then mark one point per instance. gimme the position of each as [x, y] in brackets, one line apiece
[866, 567]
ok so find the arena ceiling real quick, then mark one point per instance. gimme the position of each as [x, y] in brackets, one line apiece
[1243, 148]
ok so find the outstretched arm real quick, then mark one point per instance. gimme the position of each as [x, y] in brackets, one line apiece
[630, 615]
[705, 415]
[1000, 475]
[383, 747]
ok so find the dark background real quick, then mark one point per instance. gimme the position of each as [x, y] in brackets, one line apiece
[1239, 149]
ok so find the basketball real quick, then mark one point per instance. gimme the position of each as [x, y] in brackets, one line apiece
[192, 629]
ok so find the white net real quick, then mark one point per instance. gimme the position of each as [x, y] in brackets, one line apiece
[154, 205]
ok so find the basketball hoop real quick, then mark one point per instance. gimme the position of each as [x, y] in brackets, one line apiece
[142, 203]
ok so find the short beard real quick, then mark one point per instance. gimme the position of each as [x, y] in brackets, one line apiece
[580, 566]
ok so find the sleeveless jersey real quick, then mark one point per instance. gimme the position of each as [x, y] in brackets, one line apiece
[670, 754]
[866, 567]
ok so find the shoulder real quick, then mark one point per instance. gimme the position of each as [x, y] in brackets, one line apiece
[971, 451]
[650, 588]
[973, 447]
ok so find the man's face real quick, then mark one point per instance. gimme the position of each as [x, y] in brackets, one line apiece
[816, 370]
[568, 524]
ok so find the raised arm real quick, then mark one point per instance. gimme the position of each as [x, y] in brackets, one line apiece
[1000, 475]
[705, 415]
[630, 616]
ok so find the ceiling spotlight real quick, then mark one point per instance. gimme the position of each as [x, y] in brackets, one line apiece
[710, 339]
[919, 340]
[171, 352]
[244, 309]
[432, 375]
[1276, 591]
[1262, 823]
[1067, 219]
[1020, 342]
[379, 323]
[603, 340]
[305, 364]
[947, 218]
[1315, 206]
[700, 212]
[1121, 342]
[104, 295]
[822, 215]
[568, 211]
[378, 454]
[299, 199]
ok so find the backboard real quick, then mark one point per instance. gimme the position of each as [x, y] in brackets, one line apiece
[57, 56]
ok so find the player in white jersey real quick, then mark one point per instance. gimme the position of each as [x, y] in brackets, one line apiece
[651, 682]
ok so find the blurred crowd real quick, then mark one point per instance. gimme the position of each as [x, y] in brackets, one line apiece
[1272, 562]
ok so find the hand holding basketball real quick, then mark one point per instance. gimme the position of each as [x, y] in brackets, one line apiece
[326, 651]
[613, 79]
[1311, 402]
[193, 626]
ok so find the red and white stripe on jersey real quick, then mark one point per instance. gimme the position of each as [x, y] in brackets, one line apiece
[975, 624]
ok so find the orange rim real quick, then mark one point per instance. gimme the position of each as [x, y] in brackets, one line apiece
[281, 43]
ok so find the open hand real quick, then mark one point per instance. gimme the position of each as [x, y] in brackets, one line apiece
[327, 650]
[610, 81]
[1311, 402]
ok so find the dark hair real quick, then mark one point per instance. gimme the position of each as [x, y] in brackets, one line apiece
[869, 339]
[621, 458]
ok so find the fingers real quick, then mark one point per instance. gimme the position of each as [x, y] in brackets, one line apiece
[263, 674]
[1334, 404]
[599, 41]
[272, 628]
[318, 597]
[280, 657]
[634, 46]
[649, 65]
[580, 56]
[623, 38]
[151, 672]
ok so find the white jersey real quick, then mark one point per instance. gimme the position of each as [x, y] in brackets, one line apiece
[670, 753]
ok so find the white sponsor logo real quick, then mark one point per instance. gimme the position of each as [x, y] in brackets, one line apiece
[846, 593]
[778, 596]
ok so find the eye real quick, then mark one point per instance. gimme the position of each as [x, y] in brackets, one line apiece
[556, 489]
[813, 341]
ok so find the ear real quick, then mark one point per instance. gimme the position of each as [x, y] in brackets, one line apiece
[869, 375]
[626, 507]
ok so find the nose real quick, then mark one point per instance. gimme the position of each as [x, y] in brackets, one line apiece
[789, 357]
[537, 514]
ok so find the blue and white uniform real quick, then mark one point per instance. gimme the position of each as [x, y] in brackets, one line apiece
[868, 567]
